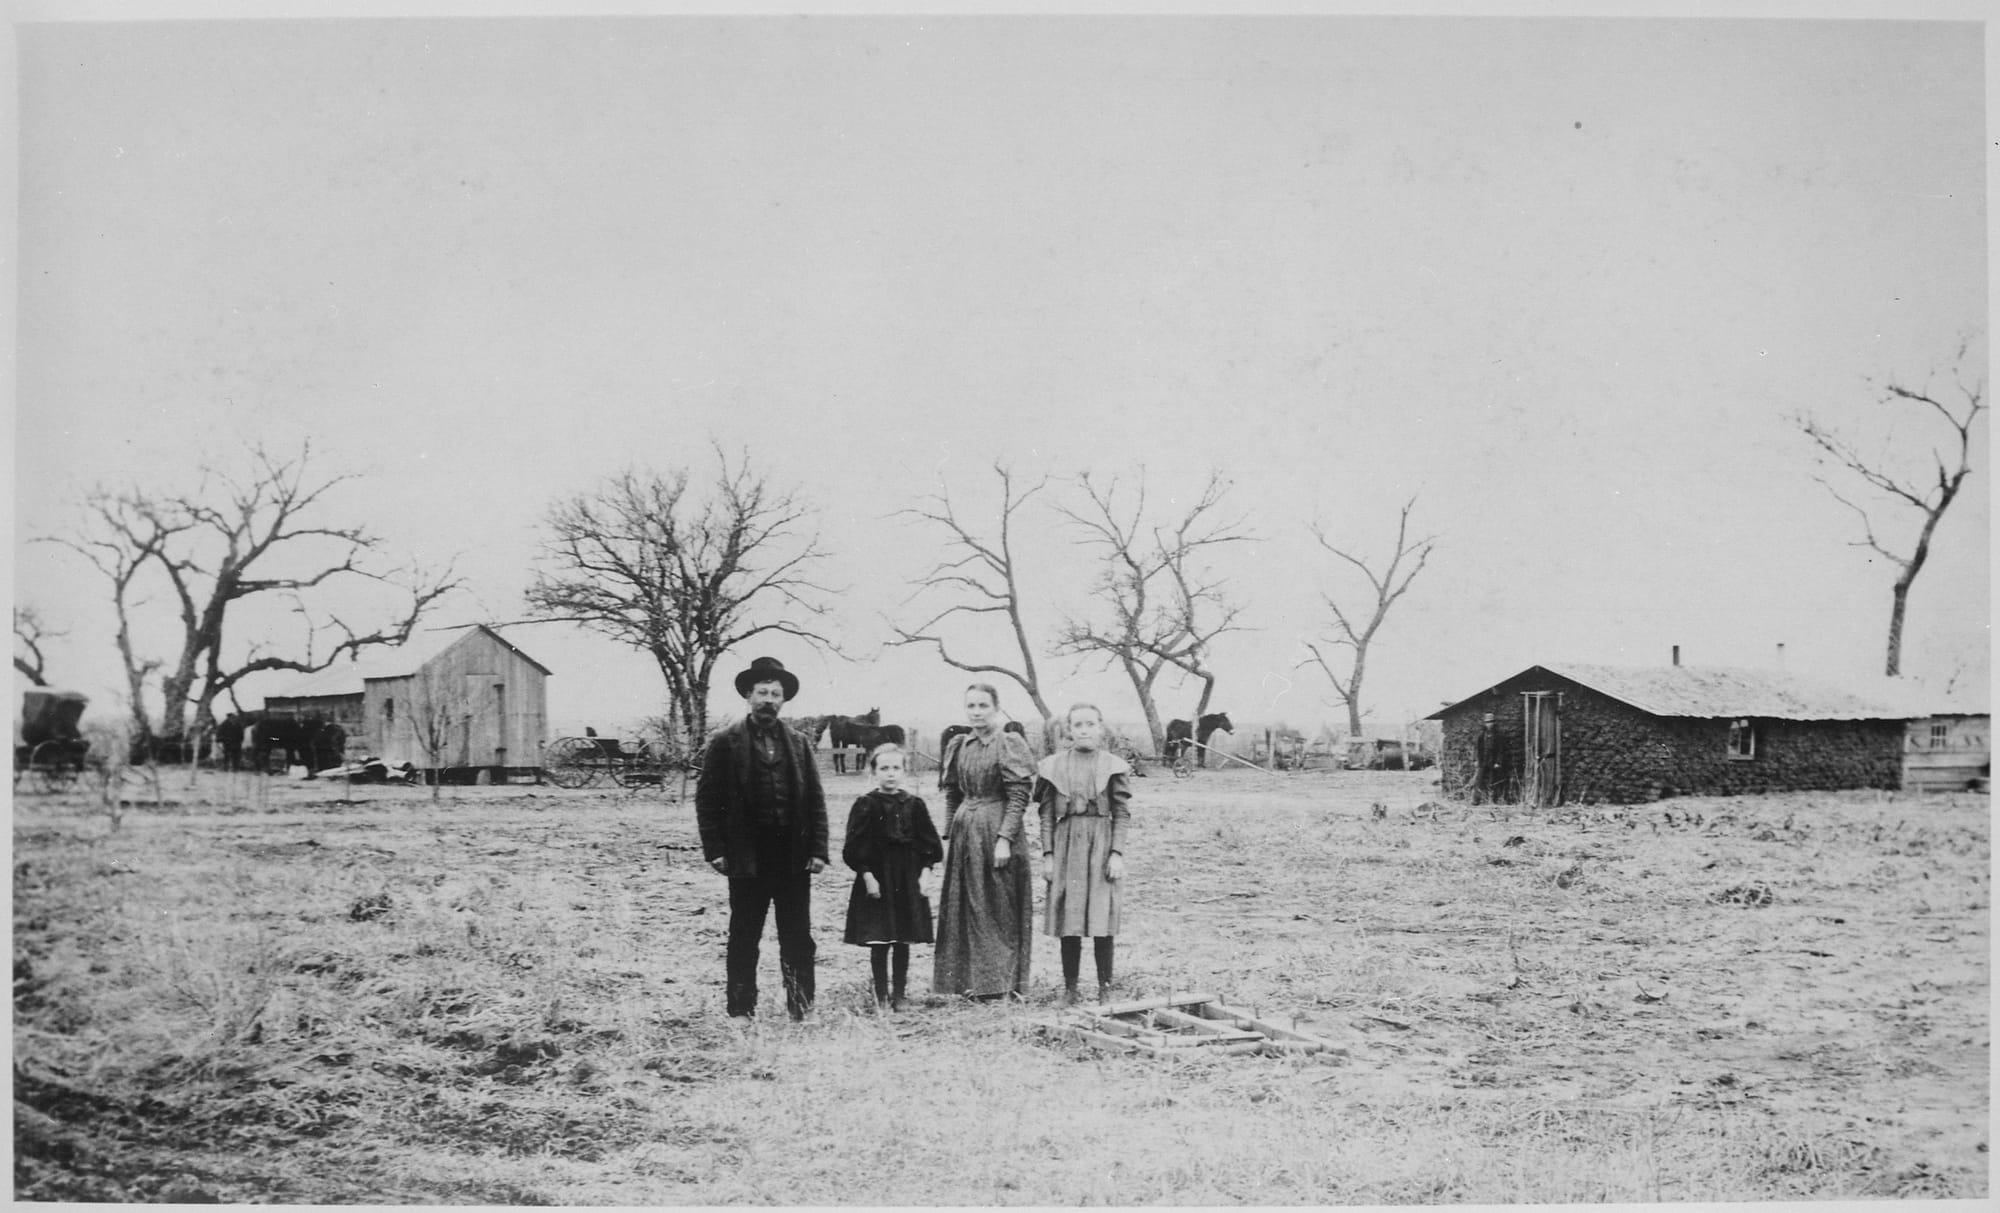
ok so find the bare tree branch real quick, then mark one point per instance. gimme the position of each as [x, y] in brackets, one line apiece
[1163, 611]
[983, 573]
[209, 546]
[644, 562]
[1357, 632]
[29, 632]
[1951, 462]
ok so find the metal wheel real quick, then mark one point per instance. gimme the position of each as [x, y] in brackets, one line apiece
[639, 769]
[572, 762]
[54, 764]
[1183, 767]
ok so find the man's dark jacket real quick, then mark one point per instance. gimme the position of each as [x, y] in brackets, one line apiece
[728, 819]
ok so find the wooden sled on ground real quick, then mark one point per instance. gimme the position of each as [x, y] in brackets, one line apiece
[1182, 1025]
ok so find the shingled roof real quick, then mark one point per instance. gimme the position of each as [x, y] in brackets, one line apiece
[1710, 692]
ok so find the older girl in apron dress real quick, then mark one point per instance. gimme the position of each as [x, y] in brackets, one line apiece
[1083, 796]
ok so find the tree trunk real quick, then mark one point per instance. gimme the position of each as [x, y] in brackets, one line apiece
[135, 681]
[1899, 598]
[1142, 686]
[1353, 692]
[696, 710]
[1201, 710]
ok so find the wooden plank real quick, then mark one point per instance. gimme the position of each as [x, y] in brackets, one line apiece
[1238, 1019]
[1208, 1027]
[1120, 1028]
[1149, 1004]
[1100, 1039]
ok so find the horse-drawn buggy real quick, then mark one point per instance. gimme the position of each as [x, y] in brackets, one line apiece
[50, 751]
[579, 762]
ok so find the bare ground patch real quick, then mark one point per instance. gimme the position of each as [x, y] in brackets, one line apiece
[513, 996]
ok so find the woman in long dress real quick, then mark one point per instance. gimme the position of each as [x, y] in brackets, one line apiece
[985, 927]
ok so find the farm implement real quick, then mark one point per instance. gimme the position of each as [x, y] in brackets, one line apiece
[1181, 1025]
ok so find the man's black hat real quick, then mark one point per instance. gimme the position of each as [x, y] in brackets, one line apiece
[767, 669]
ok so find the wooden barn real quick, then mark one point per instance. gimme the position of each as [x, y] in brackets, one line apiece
[456, 700]
[1574, 733]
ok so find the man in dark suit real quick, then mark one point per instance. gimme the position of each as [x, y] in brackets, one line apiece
[763, 825]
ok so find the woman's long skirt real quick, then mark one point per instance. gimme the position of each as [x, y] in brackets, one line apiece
[985, 923]
[1081, 901]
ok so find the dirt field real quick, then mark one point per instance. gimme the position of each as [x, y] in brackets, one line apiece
[276, 992]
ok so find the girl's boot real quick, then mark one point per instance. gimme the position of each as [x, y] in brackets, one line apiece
[878, 962]
[1072, 963]
[901, 964]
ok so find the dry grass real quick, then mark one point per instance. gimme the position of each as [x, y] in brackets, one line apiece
[277, 993]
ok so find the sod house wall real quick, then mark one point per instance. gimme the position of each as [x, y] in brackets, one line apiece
[1615, 753]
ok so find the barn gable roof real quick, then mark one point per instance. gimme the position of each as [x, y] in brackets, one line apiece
[350, 677]
[1713, 691]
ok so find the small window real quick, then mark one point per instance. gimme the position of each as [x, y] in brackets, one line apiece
[1940, 734]
[389, 710]
[1742, 739]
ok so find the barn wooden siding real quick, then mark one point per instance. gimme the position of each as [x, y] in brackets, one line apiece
[1615, 753]
[502, 698]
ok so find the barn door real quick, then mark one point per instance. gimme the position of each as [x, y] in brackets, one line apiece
[1541, 768]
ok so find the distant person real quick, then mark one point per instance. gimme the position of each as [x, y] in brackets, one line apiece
[985, 932]
[890, 842]
[1084, 799]
[763, 825]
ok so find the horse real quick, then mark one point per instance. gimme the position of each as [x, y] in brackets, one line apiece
[854, 730]
[229, 734]
[1182, 736]
[812, 728]
[312, 742]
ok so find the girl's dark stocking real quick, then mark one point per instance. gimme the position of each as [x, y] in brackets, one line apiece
[900, 970]
[1102, 945]
[878, 962]
[1072, 961]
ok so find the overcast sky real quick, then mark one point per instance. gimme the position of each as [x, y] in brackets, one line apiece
[1563, 280]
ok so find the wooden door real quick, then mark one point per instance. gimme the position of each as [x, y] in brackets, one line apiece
[1541, 768]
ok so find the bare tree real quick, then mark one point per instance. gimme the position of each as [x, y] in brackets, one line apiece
[441, 710]
[649, 563]
[982, 577]
[210, 547]
[1164, 609]
[1928, 494]
[29, 633]
[1356, 630]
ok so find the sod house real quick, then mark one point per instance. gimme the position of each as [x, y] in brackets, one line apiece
[1581, 734]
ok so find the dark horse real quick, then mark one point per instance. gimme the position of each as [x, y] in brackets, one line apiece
[863, 731]
[313, 742]
[1182, 736]
[812, 728]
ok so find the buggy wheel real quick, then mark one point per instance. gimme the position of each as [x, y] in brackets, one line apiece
[54, 764]
[638, 769]
[1183, 767]
[571, 762]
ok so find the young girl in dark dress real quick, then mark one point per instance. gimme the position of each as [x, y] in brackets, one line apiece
[890, 841]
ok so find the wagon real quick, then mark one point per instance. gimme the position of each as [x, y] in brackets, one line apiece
[50, 751]
[579, 762]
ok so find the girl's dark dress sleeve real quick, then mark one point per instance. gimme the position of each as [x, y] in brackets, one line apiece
[859, 850]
